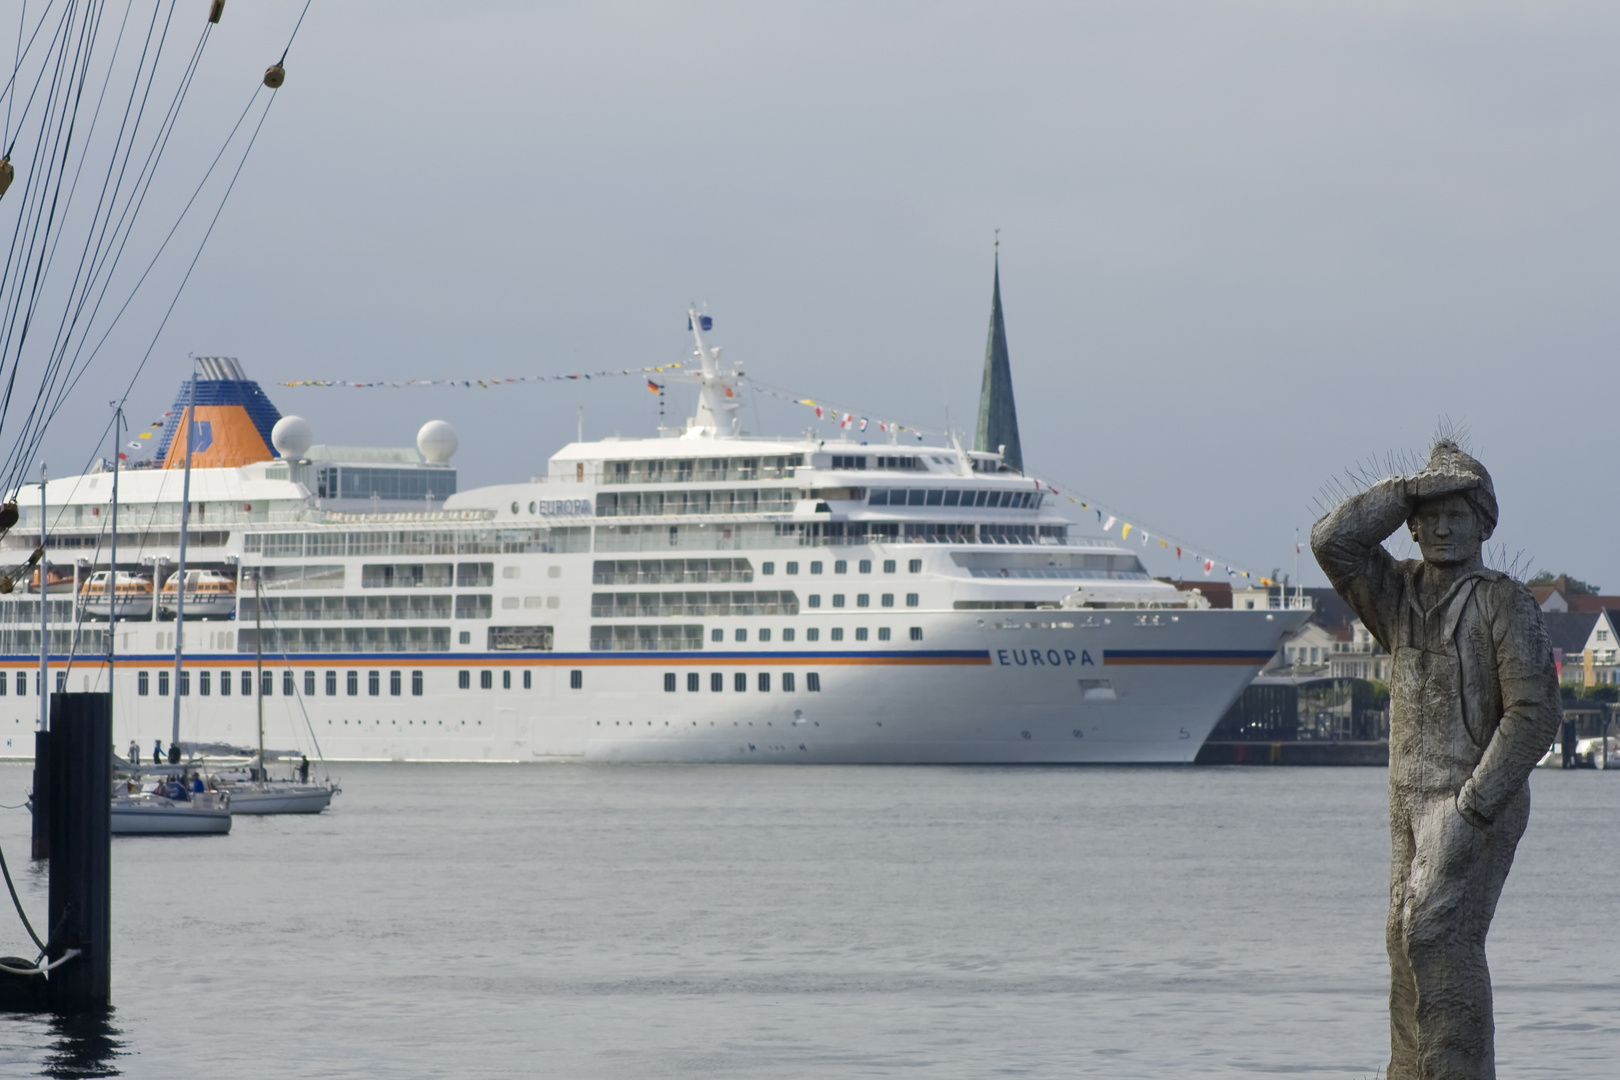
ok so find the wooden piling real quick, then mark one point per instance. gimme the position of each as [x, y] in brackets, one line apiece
[80, 909]
[41, 848]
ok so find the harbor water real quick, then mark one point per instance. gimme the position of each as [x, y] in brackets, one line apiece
[652, 921]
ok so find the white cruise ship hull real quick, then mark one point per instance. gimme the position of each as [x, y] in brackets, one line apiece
[1036, 687]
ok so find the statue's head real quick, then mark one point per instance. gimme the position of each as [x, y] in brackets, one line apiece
[1451, 528]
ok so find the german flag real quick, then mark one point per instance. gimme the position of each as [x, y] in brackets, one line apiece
[653, 388]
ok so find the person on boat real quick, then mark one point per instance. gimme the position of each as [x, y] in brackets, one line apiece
[134, 752]
[174, 790]
[157, 751]
[303, 768]
[197, 787]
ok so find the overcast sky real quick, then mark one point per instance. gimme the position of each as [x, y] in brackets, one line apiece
[1244, 246]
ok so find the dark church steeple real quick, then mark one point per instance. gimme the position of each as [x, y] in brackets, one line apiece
[998, 417]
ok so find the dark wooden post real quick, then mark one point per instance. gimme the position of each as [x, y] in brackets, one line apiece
[42, 795]
[80, 910]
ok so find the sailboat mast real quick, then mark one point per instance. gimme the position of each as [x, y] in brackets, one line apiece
[258, 659]
[180, 573]
[44, 626]
[112, 572]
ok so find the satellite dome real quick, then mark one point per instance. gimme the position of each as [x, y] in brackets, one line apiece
[437, 441]
[291, 436]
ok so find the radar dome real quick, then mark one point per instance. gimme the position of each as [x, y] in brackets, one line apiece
[291, 436]
[437, 441]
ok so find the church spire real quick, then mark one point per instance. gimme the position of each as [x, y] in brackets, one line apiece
[998, 417]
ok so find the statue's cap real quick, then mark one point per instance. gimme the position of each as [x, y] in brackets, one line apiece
[1447, 456]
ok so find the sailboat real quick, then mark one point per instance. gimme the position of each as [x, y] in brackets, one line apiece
[169, 810]
[259, 794]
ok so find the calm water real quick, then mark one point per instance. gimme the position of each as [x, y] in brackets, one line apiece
[629, 921]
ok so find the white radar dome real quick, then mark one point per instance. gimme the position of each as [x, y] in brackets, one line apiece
[291, 436]
[437, 441]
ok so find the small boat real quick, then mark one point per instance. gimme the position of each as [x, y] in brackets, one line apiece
[209, 595]
[151, 814]
[132, 594]
[279, 797]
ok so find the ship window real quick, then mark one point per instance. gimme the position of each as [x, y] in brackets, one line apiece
[815, 566]
[883, 633]
[812, 681]
[163, 683]
[61, 681]
[812, 633]
[465, 637]
[764, 682]
[914, 566]
[692, 682]
[838, 599]
[860, 633]
[204, 683]
[787, 682]
[742, 635]
[331, 684]
[787, 633]
[416, 683]
[767, 568]
[863, 599]
[267, 684]
[143, 683]
[916, 633]
[719, 635]
[953, 497]
[486, 680]
[22, 683]
[506, 680]
[878, 497]
[791, 568]
[288, 687]
[815, 599]
[887, 599]
[934, 495]
[246, 684]
[841, 566]
[464, 680]
[717, 682]
[474, 606]
[669, 682]
[474, 575]
[912, 599]
[918, 497]
[739, 682]
[837, 633]
[401, 576]
[888, 566]
[865, 566]
[765, 634]
[395, 684]
[309, 684]
[185, 684]
[224, 684]
[353, 684]
[849, 461]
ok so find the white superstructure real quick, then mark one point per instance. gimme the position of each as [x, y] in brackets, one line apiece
[703, 596]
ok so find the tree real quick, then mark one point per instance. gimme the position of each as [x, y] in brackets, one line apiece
[1569, 586]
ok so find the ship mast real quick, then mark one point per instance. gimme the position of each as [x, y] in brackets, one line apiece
[258, 660]
[44, 614]
[180, 573]
[718, 403]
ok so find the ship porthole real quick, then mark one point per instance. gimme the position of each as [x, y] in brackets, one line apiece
[1079, 734]
[1026, 734]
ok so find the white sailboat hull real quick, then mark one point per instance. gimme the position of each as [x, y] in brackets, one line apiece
[143, 816]
[280, 798]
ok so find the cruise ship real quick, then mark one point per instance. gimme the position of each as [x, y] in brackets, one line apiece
[701, 596]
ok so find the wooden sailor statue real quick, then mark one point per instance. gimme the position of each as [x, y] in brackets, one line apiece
[1473, 706]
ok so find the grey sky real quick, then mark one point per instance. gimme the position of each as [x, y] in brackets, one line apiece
[1243, 246]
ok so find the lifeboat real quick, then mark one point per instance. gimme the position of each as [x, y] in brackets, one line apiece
[132, 594]
[209, 595]
[57, 579]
